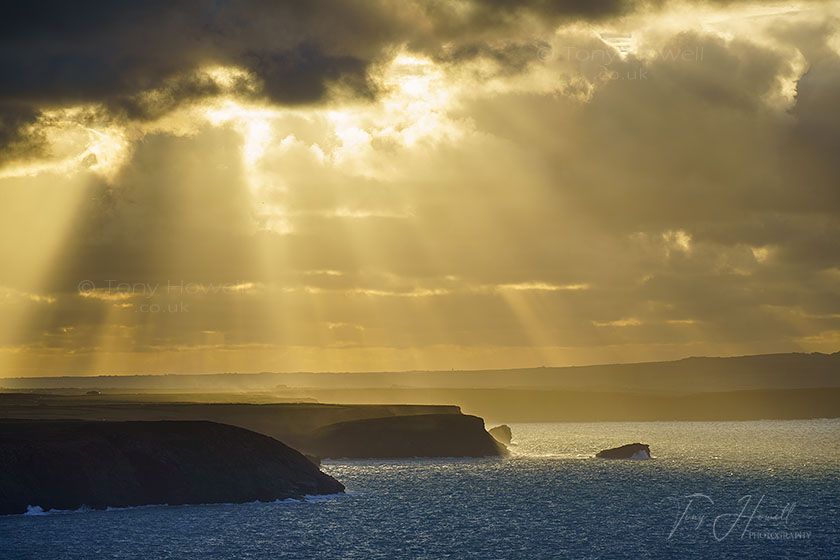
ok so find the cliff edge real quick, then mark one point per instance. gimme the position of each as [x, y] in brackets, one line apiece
[425, 435]
[68, 464]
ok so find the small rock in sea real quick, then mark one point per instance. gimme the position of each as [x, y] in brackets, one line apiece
[501, 433]
[629, 451]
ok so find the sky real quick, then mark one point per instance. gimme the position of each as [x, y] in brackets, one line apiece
[218, 186]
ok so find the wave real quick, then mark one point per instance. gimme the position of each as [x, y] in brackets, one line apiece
[641, 455]
[38, 510]
[532, 455]
[35, 511]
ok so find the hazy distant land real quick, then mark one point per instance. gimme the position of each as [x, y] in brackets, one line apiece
[768, 386]
[763, 371]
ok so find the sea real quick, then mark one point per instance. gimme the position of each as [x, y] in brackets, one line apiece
[763, 489]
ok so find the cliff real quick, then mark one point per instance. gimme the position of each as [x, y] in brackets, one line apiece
[303, 426]
[428, 435]
[68, 464]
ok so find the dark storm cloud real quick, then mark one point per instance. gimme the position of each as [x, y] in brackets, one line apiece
[55, 53]
[15, 140]
[108, 53]
[580, 8]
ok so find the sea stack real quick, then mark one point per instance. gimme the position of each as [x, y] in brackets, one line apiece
[629, 451]
[502, 434]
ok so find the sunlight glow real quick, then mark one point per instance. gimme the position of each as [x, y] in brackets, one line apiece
[629, 322]
[254, 123]
[543, 287]
[73, 146]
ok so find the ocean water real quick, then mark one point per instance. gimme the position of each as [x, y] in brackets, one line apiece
[766, 489]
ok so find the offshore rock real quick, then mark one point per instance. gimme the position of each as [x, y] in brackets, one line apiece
[629, 451]
[502, 434]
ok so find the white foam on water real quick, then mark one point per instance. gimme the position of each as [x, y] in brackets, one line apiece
[319, 498]
[309, 498]
[38, 510]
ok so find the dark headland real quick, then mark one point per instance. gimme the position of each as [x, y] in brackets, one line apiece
[426, 435]
[69, 464]
[318, 430]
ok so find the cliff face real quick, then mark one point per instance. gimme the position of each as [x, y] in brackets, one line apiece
[68, 464]
[428, 435]
[303, 426]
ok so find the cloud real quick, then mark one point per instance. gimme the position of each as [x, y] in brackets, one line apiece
[142, 61]
[17, 139]
[461, 192]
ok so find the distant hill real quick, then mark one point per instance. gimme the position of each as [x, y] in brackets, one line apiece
[689, 375]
